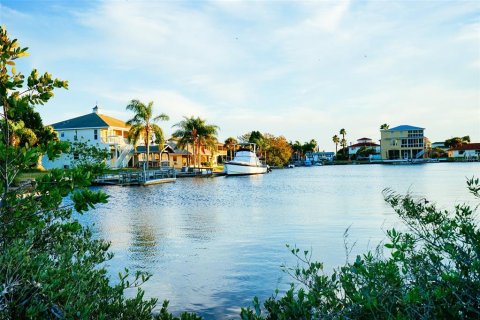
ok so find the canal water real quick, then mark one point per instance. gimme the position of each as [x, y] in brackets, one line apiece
[212, 244]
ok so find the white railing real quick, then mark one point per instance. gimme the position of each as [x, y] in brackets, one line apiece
[118, 140]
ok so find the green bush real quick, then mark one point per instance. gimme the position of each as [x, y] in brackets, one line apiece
[429, 271]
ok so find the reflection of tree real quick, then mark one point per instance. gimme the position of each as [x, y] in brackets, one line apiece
[144, 243]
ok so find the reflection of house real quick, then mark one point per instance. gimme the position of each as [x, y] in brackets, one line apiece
[466, 151]
[403, 142]
[363, 143]
[96, 129]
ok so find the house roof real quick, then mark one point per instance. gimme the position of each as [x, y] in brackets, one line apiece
[364, 139]
[364, 144]
[468, 146]
[91, 120]
[154, 148]
[405, 127]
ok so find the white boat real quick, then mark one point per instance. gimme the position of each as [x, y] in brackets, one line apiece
[245, 162]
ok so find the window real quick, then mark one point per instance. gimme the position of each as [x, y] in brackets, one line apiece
[75, 156]
[62, 134]
[95, 134]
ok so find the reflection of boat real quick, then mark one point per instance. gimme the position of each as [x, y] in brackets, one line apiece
[245, 162]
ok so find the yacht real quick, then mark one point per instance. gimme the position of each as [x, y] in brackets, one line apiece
[245, 162]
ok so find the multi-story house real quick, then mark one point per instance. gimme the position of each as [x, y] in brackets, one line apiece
[95, 129]
[403, 142]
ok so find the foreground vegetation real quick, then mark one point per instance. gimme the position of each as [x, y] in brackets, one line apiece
[52, 268]
[430, 270]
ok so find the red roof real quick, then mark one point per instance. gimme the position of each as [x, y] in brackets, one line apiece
[468, 146]
[364, 139]
[365, 144]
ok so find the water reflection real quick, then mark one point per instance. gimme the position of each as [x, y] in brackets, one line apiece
[212, 244]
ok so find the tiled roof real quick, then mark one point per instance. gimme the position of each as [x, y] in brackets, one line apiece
[364, 139]
[405, 127]
[468, 146]
[91, 120]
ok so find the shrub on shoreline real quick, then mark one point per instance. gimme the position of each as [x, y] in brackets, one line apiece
[429, 271]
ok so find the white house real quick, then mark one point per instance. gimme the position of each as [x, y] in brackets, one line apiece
[363, 143]
[466, 151]
[96, 129]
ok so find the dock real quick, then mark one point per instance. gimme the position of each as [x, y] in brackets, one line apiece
[138, 178]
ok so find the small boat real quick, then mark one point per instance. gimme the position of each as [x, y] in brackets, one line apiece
[291, 165]
[245, 162]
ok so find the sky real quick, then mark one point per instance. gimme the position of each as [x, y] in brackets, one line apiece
[301, 69]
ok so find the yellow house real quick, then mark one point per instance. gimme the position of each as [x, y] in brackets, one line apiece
[403, 142]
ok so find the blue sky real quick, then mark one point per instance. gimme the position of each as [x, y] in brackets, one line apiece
[299, 69]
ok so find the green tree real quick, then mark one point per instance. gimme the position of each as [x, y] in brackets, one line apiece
[143, 125]
[336, 140]
[343, 142]
[297, 149]
[230, 145]
[384, 126]
[196, 132]
[457, 142]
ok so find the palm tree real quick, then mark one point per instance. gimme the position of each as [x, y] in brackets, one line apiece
[343, 143]
[230, 144]
[143, 125]
[384, 126]
[343, 132]
[194, 131]
[336, 140]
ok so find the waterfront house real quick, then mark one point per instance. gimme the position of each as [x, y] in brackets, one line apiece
[403, 142]
[364, 144]
[466, 151]
[315, 157]
[95, 129]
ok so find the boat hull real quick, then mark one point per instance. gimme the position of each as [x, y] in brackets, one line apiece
[233, 169]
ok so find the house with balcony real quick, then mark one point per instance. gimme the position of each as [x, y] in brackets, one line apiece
[403, 142]
[96, 129]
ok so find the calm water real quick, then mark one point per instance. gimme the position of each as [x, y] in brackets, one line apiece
[212, 244]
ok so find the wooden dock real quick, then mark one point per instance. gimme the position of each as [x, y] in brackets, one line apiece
[138, 178]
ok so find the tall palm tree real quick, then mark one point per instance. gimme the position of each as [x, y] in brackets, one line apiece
[336, 140]
[230, 144]
[196, 132]
[343, 132]
[143, 125]
[343, 143]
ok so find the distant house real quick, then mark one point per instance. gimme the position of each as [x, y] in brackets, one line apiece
[96, 129]
[440, 145]
[466, 151]
[315, 157]
[403, 142]
[365, 143]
